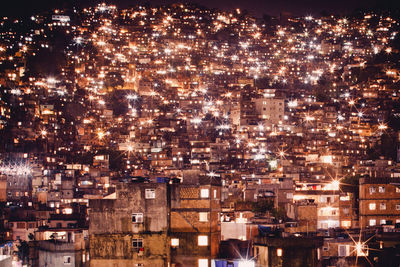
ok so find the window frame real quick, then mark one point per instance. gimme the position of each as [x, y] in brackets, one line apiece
[202, 240]
[138, 242]
[149, 193]
[201, 219]
[203, 194]
[137, 215]
[372, 206]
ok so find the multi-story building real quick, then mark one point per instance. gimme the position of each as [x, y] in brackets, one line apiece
[157, 224]
[379, 201]
[271, 110]
[326, 196]
[195, 222]
[130, 229]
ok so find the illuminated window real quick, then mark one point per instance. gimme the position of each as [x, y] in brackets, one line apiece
[372, 206]
[397, 206]
[279, 252]
[203, 216]
[137, 217]
[382, 206]
[372, 190]
[397, 190]
[372, 222]
[203, 262]
[381, 189]
[202, 240]
[246, 263]
[346, 224]
[150, 193]
[174, 242]
[383, 221]
[204, 193]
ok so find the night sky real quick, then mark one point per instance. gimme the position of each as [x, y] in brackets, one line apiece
[256, 7]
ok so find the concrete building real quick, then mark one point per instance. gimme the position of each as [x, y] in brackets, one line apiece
[195, 221]
[291, 251]
[271, 110]
[327, 199]
[130, 230]
[379, 201]
[59, 253]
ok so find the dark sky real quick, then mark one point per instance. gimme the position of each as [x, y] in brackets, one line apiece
[256, 7]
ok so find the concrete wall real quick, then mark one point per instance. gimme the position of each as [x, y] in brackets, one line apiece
[112, 231]
[5, 261]
[115, 215]
[390, 197]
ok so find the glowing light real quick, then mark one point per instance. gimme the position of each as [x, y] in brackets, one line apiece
[100, 134]
[327, 159]
[309, 118]
[223, 127]
[279, 252]
[132, 97]
[361, 249]
[21, 169]
[292, 104]
[334, 185]
[51, 80]
[246, 263]
[78, 40]
[196, 120]
[273, 164]
[259, 156]
[382, 127]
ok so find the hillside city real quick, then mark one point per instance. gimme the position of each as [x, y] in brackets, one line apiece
[186, 136]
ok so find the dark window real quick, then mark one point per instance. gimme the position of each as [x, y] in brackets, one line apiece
[137, 243]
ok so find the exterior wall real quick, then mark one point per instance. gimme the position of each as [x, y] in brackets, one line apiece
[347, 213]
[18, 186]
[382, 192]
[233, 230]
[307, 217]
[3, 188]
[270, 109]
[186, 205]
[295, 252]
[51, 258]
[112, 230]
[178, 212]
[327, 209]
[117, 249]
[108, 216]
[22, 229]
[62, 253]
[5, 261]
